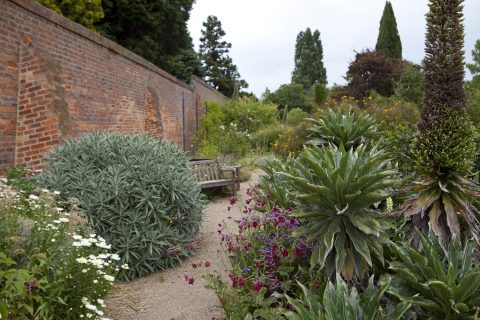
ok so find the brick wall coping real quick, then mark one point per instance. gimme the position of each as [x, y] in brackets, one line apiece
[86, 33]
[197, 79]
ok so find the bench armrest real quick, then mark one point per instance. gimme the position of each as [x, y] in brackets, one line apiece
[235, 170]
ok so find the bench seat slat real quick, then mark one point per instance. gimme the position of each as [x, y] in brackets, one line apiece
[216, 183]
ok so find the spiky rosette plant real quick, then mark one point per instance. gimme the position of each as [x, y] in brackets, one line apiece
[443, 197]
[340, 303]
[445, 147]
[341, 128]
[137, 191]
[335, 191]
[439, 284]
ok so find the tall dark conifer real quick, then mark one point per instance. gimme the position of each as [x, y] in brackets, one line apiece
[388, 41]
[309, 68]
[220, 71]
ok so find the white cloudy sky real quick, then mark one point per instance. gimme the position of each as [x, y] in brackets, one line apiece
[263, 32]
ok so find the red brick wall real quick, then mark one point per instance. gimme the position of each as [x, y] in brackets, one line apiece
[59, 79]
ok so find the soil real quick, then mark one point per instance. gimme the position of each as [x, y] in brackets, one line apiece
[166, 295]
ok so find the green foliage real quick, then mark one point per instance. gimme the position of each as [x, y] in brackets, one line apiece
[85, 12]
[396, 140]
[340, 304]
[138, 193]
[45, 272]
[156, 30]
[250, 115]
[474, 67]
[290, 143]
[439, 284]
[266, 137]
[410, 85]
[230, 129]
[342, 129]
[220, 72]
[17, 178]
[210, 131]
[472, 87]
[446, 145]
[335, 191]
[295, 116]
[320, 94]
[388, 41]
[274, 186]
[16, 299]
[289, 96]
[392, 110]
[372, 70]
[309, 68]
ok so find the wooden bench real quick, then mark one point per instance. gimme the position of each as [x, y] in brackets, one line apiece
[210, 173]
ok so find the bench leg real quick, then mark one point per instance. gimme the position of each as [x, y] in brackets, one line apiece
[234, 189]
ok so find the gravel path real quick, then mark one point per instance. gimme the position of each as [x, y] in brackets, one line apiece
[166, 295]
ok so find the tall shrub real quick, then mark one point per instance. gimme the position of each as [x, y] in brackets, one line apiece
[138, 193]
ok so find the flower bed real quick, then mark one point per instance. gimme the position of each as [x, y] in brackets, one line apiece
[51, 264]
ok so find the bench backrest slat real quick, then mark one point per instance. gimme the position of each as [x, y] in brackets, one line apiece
[206, 170]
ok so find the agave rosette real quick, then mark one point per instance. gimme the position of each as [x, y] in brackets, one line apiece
[336, 191]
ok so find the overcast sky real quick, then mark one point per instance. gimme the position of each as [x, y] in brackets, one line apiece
[263, 33]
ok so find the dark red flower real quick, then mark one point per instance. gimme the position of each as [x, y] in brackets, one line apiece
[242, 282]
[298, 252]
[190, 280]
[285, 253]
[233, 200]
[257, 286]
[234, 279]
[207, 264]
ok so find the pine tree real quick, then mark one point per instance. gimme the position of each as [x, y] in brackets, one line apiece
[309, 68]
[388, 41]
[220, 71]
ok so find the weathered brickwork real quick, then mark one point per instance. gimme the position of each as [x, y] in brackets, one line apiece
[59, 80]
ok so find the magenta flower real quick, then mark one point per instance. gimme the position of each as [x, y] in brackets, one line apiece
[257, 286]
[234, 279]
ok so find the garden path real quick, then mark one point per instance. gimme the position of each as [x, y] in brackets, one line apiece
[166, 295]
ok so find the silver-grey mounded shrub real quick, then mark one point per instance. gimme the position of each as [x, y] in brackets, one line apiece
[137, 191]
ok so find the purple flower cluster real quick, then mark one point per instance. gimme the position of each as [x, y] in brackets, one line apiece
[264, 252]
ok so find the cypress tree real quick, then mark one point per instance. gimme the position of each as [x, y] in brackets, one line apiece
[388, 41]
